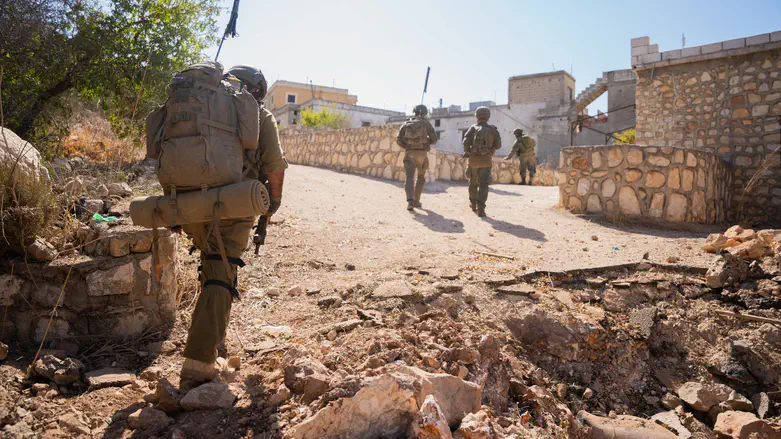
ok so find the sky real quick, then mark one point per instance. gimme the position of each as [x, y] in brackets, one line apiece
[379, 50]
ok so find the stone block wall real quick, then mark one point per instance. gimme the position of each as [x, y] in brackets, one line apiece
[658, 183]
[723, 98]
[373, 151]
[112, 289]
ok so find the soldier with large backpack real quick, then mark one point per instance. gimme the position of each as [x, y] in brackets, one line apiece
[480, 142]
[523, 148]
[213, 141]
[416, 137]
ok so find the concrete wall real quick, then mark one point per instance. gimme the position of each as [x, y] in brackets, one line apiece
[112, 290]
[658, 183]
[551, 88]
[374, 152]
[724, 98]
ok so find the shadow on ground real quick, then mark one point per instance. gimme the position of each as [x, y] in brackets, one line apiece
[247, 418]
[514, 229]
[436, 222]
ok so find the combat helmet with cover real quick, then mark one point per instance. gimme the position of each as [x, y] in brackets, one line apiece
[483, 113]
[252, 78]
[518, 132]
[420, 110]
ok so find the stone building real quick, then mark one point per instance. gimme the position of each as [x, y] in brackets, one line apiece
[722, 98]
[600, 129]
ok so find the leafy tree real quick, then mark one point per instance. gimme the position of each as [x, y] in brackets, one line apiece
[324, 118]
[626, 137]
[120, 53]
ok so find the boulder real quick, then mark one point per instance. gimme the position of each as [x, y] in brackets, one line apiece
[761, 402]
[209, 396]
[62, 372]
[726, 270]
[99, 192]
[670, 401]
[475, 426]
[716, 241]
[307, 377]
[751, 250]
[734, 231]
[430, 423]
[623, 427]
[562, 334]
[670, 421]
[16, 151]
[109, 377]
[40, 250]
[768, 236]
[738, 402]
[744, 425]
[148, 418]
[119, 190]
[702, 397]
[384, 407]
[696, 427]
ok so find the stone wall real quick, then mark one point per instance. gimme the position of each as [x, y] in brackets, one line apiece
[663, 184]
[111, 291]
[373, 151]
[724, 98]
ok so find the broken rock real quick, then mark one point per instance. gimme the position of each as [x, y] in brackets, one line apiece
[761, 402]
[702, 397]
[40, 250]
[109, 377]
[430, 423]
[166, 397]
[209, 396]
[623, 427]
[752, 250]
[307, 377]
[148, 418]
[726, 270]
[736, 401]
[120, 189]
[670, 421]
[475, 426]
[744, 425]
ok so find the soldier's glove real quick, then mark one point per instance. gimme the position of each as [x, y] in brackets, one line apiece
[466, 155]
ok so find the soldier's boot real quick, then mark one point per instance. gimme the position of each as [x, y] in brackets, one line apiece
[419, 190]
[194, 373]
[481, 211]
[410, 205]
[417, 204]
[473, 205]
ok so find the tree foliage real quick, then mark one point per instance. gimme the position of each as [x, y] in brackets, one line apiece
[119, 53]
[626, 137]
[323, 118]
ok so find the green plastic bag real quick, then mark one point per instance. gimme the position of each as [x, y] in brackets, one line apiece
[105, 219]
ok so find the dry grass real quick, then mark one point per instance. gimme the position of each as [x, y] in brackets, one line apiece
[27, 208]
[92, 138]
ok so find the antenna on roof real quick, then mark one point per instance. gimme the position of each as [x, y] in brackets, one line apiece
[683, 40]
[554, 66]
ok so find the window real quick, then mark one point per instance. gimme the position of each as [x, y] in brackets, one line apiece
[569, 93]
[291, 98]
[272, 100]
[436, 122]
[295, 112]
[366, 124]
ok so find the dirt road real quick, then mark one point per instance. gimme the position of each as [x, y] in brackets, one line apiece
[363, 221]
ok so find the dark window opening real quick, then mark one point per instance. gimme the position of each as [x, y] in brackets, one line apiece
[366, 124]
[291, 99]
[436, 122]
[295, 112]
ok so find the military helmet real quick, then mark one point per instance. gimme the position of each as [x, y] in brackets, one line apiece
[420, 110]
[253, 78]
[482, 113]
[518, 132]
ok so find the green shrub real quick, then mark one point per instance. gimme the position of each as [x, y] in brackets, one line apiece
[626, 137]
[323, 118]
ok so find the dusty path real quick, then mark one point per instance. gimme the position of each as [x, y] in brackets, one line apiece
[360, 220]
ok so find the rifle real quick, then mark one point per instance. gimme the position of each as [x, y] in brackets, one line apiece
[261, 228]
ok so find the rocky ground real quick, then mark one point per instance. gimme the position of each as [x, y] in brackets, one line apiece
[360, 319]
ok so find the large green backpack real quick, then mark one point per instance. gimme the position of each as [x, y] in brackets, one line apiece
[483, 142]
[200, 134]
[416, 133]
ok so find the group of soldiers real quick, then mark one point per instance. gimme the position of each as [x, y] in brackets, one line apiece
[480, 143]
[219, 272]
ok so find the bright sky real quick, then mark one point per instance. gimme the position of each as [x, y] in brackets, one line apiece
[379, 50]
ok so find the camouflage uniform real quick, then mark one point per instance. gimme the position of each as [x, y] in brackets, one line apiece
[523, 148]
[212, 311]
[480, 163]
[416, 156]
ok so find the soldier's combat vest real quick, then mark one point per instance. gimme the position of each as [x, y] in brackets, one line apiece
[200, 134]
[483, 142]
[416, 133]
